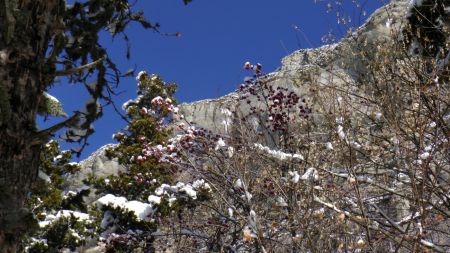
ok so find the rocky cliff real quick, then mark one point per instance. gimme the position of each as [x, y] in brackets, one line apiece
[378, 116]
[304, 69]
[301, 72]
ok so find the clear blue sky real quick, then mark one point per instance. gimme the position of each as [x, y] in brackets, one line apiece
[218, 36]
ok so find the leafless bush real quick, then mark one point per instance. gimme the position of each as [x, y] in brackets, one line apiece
[360, 163]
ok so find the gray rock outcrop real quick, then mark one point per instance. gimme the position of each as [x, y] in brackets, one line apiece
[98, 165]
[302, 70]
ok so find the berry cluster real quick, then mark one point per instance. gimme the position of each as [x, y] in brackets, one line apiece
[193, 139]
[285, 106]
[280, 104]
[196, 139]
[257, 69]
[163, 105]
[163, 154]
[250, 82]
[144, 178]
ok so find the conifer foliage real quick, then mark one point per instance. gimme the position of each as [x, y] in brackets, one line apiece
[135, 218]
[63, 222]
[41, 41]
[130, 207]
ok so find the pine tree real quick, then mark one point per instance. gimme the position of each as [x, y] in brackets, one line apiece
[40, 41]
[131, 205]
[135, 201]
[63, 221]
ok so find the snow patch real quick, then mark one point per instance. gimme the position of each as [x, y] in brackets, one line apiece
[44, 176]
[280, 155]
[141, 210]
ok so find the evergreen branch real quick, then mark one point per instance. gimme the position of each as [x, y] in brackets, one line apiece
[80, 68]
[43, 135]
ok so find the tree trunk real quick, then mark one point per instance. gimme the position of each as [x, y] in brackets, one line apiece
[26, 28]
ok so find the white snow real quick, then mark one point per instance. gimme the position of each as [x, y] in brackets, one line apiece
[278, 153]
[157, 100]
[295, 177]
[343, 137]
[230, 212]
[248, 196]
[49, 218]
[378, 115]
[388, 22]
[45, 223]
[125, 105]
[189, 190]
[238, 183]
[226, 112]
[112, 201]
[252, 219]
[172, 200]
[140, 74]
[354, 144]
[340, 132]
[141, 210]
[154, 199]
[200, 183]
[44, 176]
[68, 213]
[424, 155]
[402, 177]
[162, 189]
[38, 241]
[57, 158]
[311, 174]
[51, 97]
[230, 152]
[220, 143]
[180, 187]
[281, 201]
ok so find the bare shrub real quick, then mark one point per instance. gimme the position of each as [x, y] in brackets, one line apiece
[359, 163]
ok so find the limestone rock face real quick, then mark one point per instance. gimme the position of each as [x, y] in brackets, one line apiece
[99, 165]
[300, 72]
[304, 69]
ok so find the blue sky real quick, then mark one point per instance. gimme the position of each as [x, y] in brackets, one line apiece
[217, 37]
